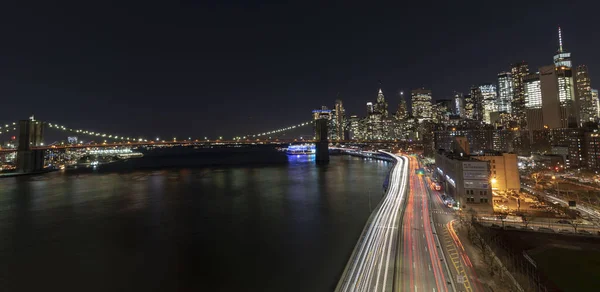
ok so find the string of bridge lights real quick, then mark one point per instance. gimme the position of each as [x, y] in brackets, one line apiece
[274, 131]
[97, 134]
[13, 127]
[8, 128]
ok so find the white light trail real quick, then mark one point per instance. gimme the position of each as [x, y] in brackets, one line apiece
[371, 266]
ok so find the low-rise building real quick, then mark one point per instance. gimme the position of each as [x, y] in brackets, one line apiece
[465, 179]
[504, 171]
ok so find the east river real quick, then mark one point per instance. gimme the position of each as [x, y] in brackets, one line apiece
[278, 227]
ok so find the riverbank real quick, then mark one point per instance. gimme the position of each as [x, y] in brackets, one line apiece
[13, 174]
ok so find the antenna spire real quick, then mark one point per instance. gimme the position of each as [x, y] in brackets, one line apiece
[560, 45]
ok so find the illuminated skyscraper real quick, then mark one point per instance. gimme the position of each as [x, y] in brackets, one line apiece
[469, 105]
[490, 101]
[562, 57]
[340, 121]
[458, 108]
[421, 104]
[402, 112]
[381, 106]
[533, 101]
[505, 92]
[322, 113]
[587, 106]
[518, 72]
[596, 101]
[370, 108]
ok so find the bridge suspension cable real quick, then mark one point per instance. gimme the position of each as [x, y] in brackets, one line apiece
[96, 134]
[141, 139]
[281, 130]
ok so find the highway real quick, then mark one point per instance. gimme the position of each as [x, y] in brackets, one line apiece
[372, 264]
[421, 267]
[457, 258]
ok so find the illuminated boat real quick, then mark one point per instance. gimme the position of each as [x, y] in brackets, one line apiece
[301, 149]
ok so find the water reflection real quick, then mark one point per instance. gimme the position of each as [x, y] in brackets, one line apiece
[153, 230]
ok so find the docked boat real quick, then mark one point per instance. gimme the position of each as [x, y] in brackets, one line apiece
[301, 149]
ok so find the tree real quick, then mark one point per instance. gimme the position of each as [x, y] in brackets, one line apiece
[537, 177]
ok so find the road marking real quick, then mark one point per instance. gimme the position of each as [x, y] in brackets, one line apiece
[455, 258]
[430, 268]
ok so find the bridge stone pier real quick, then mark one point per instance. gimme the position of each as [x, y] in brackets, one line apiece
[31, 133]
[321, 143]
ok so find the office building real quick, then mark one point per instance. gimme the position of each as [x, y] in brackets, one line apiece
[402, 112]
[340, 120]
[490, 103]
[442, 109]
[532, 93]
[562, 57]
[476, 103]
[505, 92]
[551, 102]
[354, 128]
[458, 109]
[465, 179]
[322, 113]
[592, 142]
[583, 89]
[518, 72]
[469, 106]
[370, 108]
[381, 106]
[596, 101]
[504, 170]
[421, 104]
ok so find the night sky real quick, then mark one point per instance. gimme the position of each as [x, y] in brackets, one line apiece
[204, 68]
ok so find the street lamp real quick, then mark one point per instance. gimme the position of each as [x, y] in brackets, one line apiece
[557, 185]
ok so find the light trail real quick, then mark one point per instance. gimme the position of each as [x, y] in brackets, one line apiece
[371, 266]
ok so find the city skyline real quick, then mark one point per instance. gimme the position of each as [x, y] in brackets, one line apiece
[128, 70]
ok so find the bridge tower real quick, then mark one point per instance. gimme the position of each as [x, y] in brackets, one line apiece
[31, 133]
[322, 144]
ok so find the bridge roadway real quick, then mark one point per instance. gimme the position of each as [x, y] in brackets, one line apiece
[194, 143]
[372, 264]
